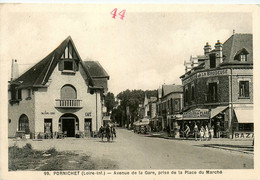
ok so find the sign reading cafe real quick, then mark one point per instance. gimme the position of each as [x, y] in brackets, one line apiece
[196, 114]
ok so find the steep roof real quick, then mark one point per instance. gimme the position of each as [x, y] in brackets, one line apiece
[152, 99]
[39, 74]
[235, 44]
[95, 69]
[167, 89]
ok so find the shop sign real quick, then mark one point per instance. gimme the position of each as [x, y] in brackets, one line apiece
[243, 135]
[196, 114]
[47, 113]
[206, 74]
[88, 114]
[213, 73]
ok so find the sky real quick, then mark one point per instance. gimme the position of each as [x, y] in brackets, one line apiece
[143, 51]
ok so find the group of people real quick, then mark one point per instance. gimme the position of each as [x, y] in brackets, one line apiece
[108, 132]
[204, 133]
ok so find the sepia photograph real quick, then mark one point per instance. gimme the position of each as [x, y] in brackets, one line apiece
[107, 89]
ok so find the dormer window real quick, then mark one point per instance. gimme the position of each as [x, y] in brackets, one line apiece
[241, 55]
[69, 60]
[243, 58]
[68, 65]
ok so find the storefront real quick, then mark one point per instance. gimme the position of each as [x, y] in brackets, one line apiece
[243, 127]
[204, 117]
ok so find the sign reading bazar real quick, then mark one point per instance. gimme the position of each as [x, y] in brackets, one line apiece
[205, 74]
[196, 114]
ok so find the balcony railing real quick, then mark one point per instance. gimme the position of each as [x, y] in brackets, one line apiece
[68, 103]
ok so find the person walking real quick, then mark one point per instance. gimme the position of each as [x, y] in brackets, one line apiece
[114, 131]
[101, 132]
[218, 130]
[196, 131]
[206, 133]
[108, 133]
[201, 133]
[187, 131]
[168, 130]
[211, 132]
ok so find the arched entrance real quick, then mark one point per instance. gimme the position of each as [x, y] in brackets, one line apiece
[68, 124]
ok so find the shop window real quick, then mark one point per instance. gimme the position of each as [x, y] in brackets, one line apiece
[212, 59]
[23, 123]
[213, 95]
[48, 126]
[243, 88]
[246, 126]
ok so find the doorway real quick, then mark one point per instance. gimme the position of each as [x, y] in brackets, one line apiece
[87, 127]
[68, 125]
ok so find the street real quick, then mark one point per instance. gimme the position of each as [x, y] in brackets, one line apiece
[137, 151]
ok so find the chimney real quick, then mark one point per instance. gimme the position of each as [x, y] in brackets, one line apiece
[187, 66]
[207, 49]
[15, 70]
[219, 53]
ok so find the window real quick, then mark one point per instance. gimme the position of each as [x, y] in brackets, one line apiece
[177, 105]
[186, 95]
[244, 88]
[19, 93]
[23, 123]
[192, 93]
[68, 92]
[68, 65]
[243, 57]
[13, 92]
[213, 95]
[212, 59]
[246, 127]
[47, 125]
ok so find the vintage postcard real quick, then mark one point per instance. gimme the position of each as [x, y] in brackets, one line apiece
[149, 91]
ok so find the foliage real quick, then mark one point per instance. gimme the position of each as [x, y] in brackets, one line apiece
[131, 99]
[110, 101]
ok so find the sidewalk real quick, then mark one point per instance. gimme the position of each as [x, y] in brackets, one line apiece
[238, 145]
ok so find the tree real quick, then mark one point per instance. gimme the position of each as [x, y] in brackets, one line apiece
[109, 101]
[131, 99]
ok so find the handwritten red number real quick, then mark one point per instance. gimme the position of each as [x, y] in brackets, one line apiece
[122, 14]
[114, 13]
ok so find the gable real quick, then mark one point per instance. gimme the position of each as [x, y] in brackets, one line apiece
[39, 74]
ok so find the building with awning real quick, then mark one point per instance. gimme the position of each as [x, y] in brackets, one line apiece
[218, 86]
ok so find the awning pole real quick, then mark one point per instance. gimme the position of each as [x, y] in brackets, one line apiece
[210, 117]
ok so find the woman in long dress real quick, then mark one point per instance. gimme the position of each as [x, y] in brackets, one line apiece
[206, 133]
[202, 133]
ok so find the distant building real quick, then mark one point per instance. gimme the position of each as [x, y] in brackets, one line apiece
[148, 108]
[170, 104]
[218, 87]
[59, 94]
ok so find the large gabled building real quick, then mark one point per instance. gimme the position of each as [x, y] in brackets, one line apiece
[218, 87]
[61, 93]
